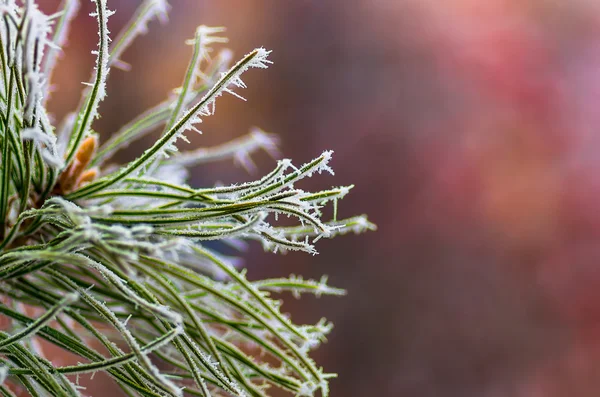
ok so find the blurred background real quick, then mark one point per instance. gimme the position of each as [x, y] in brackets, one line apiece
[470, 129]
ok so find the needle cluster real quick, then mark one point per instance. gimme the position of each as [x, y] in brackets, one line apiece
[112, 263]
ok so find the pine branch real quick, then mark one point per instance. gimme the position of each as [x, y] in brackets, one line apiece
[94, 254]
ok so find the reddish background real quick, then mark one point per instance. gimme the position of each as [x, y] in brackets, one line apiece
[470, 130]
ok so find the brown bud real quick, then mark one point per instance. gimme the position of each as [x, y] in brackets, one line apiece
[86, 150]
[73, 174]
[87, 176]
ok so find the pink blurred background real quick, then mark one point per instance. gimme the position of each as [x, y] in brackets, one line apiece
[470, 130]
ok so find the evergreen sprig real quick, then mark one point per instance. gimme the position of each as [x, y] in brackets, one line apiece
[111, 263]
